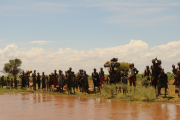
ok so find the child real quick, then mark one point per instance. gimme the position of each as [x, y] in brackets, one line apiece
[124, 81]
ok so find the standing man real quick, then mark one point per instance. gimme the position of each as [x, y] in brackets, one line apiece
[147, 74]
[101, 76]
[23, 80]
[178, 79]
[43, 81]
[135, 73]
[69, 80]
[34, 79]
[55, 79]
[38, 80]
[96, 79]
[61, 80]
[79, 76]
[2, 81]
[162, 82]
[155, 72]
[131, 75]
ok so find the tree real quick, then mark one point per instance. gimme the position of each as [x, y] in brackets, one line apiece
[122, 65]
[13, 67]
[125, 66]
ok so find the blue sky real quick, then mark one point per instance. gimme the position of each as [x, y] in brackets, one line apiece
[84, 25]
[88, 24]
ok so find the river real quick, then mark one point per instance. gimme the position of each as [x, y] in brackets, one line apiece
[29, 106]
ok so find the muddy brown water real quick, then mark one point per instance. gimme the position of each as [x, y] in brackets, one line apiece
[47, 107]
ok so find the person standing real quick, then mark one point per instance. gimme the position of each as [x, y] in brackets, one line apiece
[43, 81]
[23, 84]
[34, 79]
[2, 81]
[135, 73]
[39, 80]
[61, 80]
[131, 75]
[101, 76]
[177, 83]
[147, 74]
[69, 80]
[124, 81]
[96, 80]
[162, 82]
[55, 79]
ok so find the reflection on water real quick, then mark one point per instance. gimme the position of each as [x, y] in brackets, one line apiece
[38, 106]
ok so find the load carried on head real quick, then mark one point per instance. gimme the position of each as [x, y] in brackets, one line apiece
[112, 64]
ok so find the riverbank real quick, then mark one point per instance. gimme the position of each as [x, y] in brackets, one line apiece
[138, 93]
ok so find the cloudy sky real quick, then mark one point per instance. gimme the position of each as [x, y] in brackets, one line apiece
[84, 34]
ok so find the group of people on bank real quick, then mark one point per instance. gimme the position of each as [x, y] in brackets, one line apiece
[80, 81]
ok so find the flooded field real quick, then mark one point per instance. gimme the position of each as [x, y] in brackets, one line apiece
[45, 107]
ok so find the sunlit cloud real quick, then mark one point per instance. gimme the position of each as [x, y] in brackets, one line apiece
[137, 52]
[40, 42]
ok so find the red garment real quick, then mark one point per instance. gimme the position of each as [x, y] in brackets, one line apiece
[102, 80]
[177, 84]
[55, 81]
[131, 79]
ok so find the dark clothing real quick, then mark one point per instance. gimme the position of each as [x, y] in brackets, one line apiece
[96, 79]
[113, 77]
[43, 82]
[34, 81]
[23, 81]
[162, 81]
[39, 81]
[79, 76]
[15, 82]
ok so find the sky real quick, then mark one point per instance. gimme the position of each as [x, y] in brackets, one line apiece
[84, 34]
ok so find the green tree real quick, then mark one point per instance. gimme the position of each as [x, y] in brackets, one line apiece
[124, 65]
[12, 67]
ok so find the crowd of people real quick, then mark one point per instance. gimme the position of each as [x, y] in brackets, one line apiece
[80, 82]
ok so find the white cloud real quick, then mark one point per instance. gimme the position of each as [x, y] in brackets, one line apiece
[136, 52]
[40, 42]
[23, 48]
